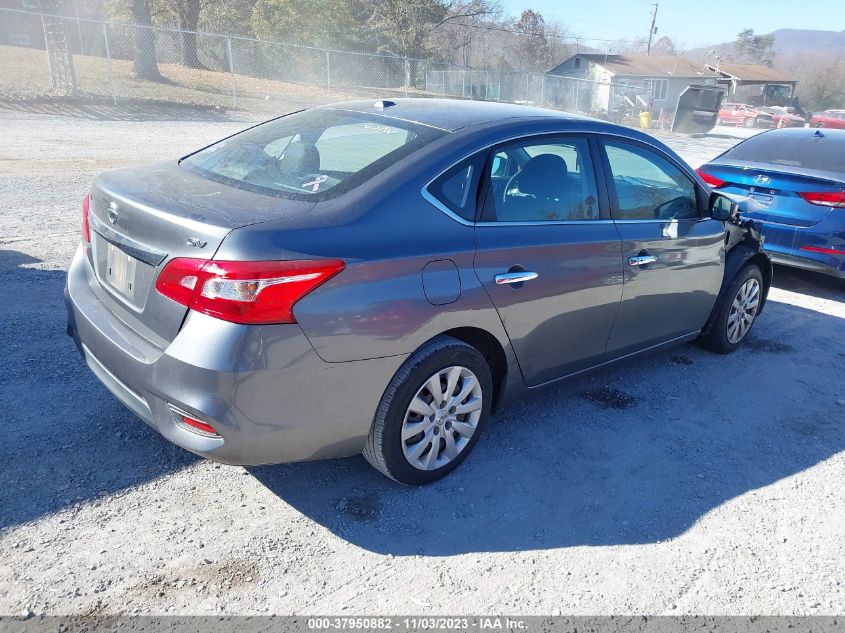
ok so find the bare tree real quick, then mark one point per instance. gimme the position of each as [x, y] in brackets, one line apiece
[630, 47]
[408, 24]
[821, 79]
[144, 65]
[188, 13]
[324, 23]
[532, 44]
[664, 46]
[464, 40]
[757, 49]
[561, 43]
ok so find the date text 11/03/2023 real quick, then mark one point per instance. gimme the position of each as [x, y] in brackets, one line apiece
[418, 623]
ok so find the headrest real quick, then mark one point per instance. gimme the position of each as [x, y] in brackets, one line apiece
[300, 158]
[543, 176]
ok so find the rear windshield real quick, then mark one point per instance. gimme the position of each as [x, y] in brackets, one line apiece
[310, 155]
[804, 150]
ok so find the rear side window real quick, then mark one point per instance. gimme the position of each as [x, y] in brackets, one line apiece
[805, 150]
[310, 155]
[457, 188]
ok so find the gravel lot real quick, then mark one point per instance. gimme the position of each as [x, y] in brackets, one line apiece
[683, 482]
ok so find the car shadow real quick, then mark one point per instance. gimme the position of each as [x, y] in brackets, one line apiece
[809, 282]
[66, 439]
[635, 454]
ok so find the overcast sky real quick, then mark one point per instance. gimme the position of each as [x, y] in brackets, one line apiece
[690, 23]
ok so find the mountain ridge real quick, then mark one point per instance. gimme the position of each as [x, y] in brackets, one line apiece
[788, 43]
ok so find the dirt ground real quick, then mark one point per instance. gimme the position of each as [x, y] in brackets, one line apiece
[25, 81]
[682, 482]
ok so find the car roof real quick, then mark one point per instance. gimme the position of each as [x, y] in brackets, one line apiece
[450, 114]
[787, 138]
[806, 131]
[833, 135]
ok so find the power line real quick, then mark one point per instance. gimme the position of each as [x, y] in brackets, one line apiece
[544, 34]
[596, 22]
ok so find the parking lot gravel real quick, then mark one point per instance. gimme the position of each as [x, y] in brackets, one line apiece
[681, 482]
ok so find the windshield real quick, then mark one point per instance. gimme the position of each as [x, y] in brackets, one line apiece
[823, 153]
[310, 155]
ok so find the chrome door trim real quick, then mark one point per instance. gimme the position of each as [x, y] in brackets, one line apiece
[426, 194]
[515, 277]
[542, 223]
[659, 221]
[642, 260]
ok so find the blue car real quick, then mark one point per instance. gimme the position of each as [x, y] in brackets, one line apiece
[798, 178]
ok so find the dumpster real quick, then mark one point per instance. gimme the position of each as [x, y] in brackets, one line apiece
[698, 109]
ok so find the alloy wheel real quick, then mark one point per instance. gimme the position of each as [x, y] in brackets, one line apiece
[743, 310]
[441, 418]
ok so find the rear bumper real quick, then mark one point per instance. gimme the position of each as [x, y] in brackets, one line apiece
[264, 389]
[784, 245]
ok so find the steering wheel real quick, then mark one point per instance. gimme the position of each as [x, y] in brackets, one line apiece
[672, 208]
[511, 183]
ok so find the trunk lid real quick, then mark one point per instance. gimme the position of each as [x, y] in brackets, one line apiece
[143, 217]
[777, 191]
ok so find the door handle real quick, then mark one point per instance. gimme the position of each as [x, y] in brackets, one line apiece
[515, 278]
[642, 260]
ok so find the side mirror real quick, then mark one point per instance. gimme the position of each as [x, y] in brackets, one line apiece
[722, 208]
[726, 206]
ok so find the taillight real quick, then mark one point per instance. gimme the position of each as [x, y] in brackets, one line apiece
[86, 228]
[825, 198]
[710, 179]
[244, 292]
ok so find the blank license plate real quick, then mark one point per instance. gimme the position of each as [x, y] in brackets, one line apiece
[120, 270]
[761, 198]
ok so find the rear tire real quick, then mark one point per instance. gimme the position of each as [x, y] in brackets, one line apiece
[736, 312]
[820, 124]
[749, 122]
[432, 413]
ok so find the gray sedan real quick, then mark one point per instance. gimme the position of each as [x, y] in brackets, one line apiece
[379, 276]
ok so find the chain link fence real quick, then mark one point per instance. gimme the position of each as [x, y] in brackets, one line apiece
[115, 62]
[614, 101]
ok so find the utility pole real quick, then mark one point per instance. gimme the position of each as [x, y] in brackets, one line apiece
[653, 28]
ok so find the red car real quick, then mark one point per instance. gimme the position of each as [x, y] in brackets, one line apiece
[785, 117]
[744, 114]
[829, 118]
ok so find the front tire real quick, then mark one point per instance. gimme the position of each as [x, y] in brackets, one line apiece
[736, 312]
[749, 122]
[432, 413]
